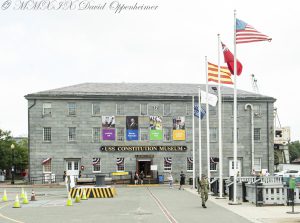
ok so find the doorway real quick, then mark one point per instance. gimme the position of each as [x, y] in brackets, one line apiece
[145, 166]
[72, 168]
[231, 167]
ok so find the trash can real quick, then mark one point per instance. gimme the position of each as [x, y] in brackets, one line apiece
[100, 180]
[244, 190]
[161, 179]
[230, 188]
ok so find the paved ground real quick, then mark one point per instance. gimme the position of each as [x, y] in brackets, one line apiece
[157, 204]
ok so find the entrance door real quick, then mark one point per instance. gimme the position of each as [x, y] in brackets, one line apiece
[144, 165]
[231, 167]
[72, 168]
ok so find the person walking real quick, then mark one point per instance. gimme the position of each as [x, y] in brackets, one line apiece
[136, 178]
[170, 178]
[182, 180]
[204, 189]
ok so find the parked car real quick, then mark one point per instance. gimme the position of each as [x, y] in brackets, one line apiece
[288, 173]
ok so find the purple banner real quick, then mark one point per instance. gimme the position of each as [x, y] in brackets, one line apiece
[108, 134]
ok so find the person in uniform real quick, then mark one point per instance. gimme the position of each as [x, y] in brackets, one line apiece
[204, 189]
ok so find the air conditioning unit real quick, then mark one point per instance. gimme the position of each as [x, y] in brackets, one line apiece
[282, 136]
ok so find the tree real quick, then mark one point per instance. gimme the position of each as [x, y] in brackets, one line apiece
[294, 150]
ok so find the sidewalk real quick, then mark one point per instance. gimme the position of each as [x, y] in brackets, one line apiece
[264, 214]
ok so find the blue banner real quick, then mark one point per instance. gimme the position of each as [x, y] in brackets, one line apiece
[132, 134]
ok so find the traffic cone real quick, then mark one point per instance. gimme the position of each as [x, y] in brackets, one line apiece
[25, 199]
[17, 202]
[22, 193]
[32, 196]
[4, 198]
[69, 201]
[84, 195]
[77, 198]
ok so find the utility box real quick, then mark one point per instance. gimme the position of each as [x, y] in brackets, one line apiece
[282, 136]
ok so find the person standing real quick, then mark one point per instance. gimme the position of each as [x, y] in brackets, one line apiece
[182, 180]
[142, 175]
[204, 189]
[170, 178]
[136, 178]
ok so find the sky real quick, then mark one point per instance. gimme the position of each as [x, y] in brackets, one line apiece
[47, 48]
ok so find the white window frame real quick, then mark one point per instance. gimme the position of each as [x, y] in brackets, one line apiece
[257, 134]
[144, 131]
[94, 111]
[72, 108]
[189, 164]
[120, 109]
[98, 165]
[47, 107]
[96, 137]
[69, 136]
[257, 110]
[120, 134]
[45, 134]
[168, 166]
[167, 109]
[213, 167]
[47, 166]
[121, 167]
[142, 112]
[165, 131]
[257, 164]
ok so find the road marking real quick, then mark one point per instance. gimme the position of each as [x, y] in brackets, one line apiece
[163, 208]
[2, 216]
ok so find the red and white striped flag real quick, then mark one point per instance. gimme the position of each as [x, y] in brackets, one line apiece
[225, 75]
[247, 34]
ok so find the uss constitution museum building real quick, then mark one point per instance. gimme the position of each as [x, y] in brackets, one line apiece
[115, 127]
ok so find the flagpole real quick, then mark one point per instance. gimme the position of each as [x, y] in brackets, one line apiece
[193, 145]
[200, 149]
[207, 126]
[235, 116]
[220, 126]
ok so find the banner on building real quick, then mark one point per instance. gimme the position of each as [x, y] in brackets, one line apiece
[132, 128]
[156, 128]
[108, 128]
[179, 128]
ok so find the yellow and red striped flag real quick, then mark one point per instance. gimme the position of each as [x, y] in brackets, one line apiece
[225, 74]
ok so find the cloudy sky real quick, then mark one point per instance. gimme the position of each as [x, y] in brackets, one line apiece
[65, 43]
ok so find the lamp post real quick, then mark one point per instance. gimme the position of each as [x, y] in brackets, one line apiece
[13, 164]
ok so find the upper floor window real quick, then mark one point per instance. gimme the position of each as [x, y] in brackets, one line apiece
[120, 109]
[257, 164]
[257, 134]
[72, 134]
[96, 134]
[120, 134]
[47, 109]
[96, 109]
[167, 109]
[144, 134]
[144, 109]
[72, 108]
[256, 110]
[47, 134]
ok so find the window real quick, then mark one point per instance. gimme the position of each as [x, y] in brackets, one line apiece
[256, 110]
[257, 164]
[96, 165]
[47, 134]
[72, 133]
[168, 164]
[72, 108]
[213, 134]
[144, 109]
[47, 166]
[96, 109]
[120, 134]
[167, 109]
[47, 109]
[96, 134]
[236, 134]
[120, 109]
[213, 163]
[189, 164]
[144, 132]
[76, 165]
[167, 134]
[189, 134]
[120, 164]
[189, 109]
[256, 134]
[213, 166]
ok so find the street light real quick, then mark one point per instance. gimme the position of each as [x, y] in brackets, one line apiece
[13, 164]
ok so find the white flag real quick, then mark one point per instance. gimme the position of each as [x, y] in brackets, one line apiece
[209, 98]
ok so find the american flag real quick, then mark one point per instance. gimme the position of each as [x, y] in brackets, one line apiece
[225, 75]
[247, 34]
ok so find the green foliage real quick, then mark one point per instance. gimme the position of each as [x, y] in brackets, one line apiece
[294, 150]
[6, 153]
